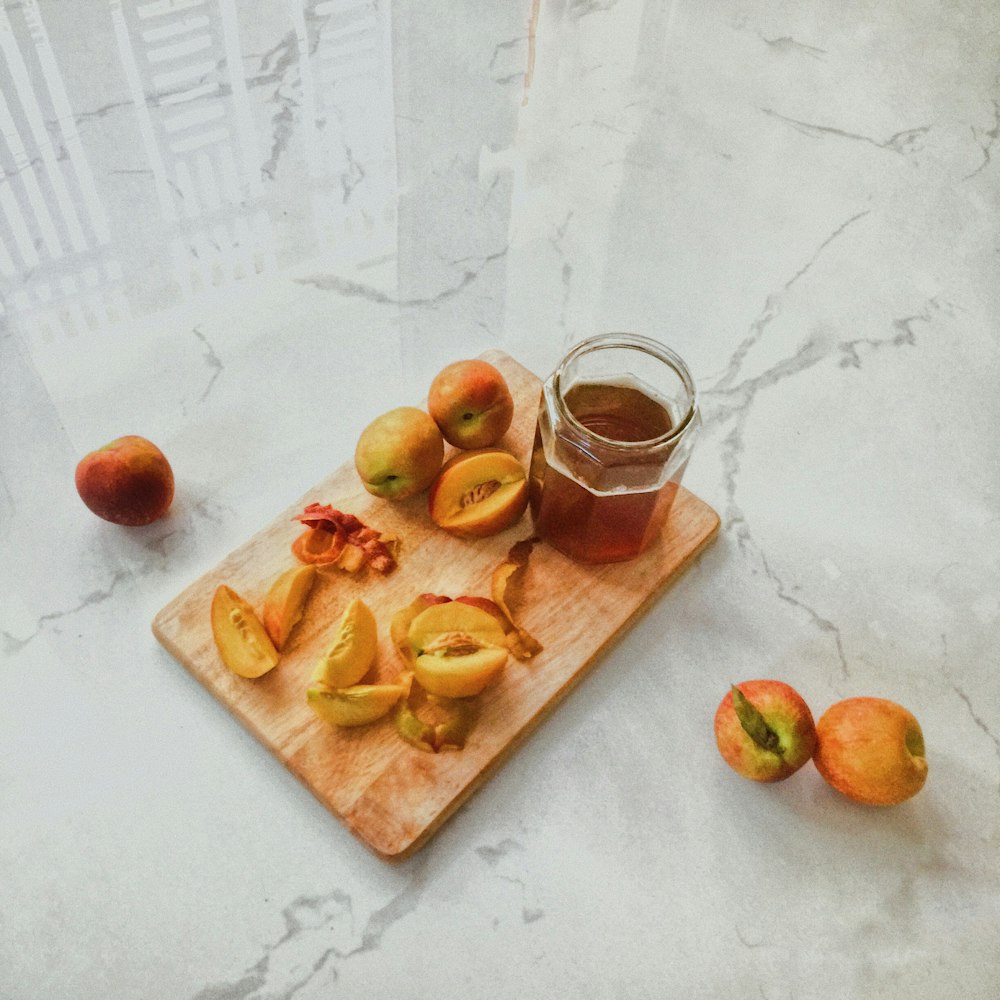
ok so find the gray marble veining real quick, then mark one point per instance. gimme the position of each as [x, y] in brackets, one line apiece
[243, 230]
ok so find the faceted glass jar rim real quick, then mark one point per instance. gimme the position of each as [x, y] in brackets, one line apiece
[637, 342]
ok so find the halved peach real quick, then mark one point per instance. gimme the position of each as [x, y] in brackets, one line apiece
[457, 648]
[351, 654]
[479, 493]
[241, 638]
[399, 625]
[357, 705]
[286, 601]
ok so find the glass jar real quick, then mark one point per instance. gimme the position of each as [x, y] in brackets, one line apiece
[616, 423]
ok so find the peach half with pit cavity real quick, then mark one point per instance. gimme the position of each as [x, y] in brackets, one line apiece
[458, 649]
[479, 493]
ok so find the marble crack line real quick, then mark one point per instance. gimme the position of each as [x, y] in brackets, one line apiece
[502, 46]
[736, 403]
[823, 624]
[973, 714]
[274, 66]
[12, 644]
[493, 855]
[314, 914]
[355, 289]
[903, 337]
[352, 176]
[581, 8]
[212, 360]
[788, 44]
[567, 275]
[899, 142]
[990, 136]
[772, 305]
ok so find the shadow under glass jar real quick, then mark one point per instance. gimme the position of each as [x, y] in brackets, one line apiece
[616, 423]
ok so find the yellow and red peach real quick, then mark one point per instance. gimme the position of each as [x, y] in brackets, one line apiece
[764, 730]
[129, 481]
[471, 402]
[871, 750]
[399, 453]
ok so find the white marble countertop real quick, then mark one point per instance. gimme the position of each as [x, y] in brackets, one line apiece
[243, 230]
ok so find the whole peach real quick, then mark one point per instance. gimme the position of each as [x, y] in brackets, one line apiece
[871, 750]
[764, 730]
[471, 402]
[128, 481]
[399, 453]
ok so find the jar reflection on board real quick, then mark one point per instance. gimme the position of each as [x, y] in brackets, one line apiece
[616, 423]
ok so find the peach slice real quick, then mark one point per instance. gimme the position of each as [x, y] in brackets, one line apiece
[479, 493]
[357, 705]
[286, 601]
[458, 649]
[241, 638]
[351, 654]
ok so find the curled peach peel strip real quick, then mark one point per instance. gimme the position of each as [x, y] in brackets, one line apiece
[333, 537]
[522, 645]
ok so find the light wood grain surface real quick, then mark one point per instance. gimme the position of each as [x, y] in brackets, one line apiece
[388, 793]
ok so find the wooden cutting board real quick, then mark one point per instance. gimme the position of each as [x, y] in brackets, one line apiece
[391, 795]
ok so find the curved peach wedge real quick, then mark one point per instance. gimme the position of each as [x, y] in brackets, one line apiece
[351, 654]
[240, 637]
[458, 649]
[286, 601]
[357, 705]
[479, 493]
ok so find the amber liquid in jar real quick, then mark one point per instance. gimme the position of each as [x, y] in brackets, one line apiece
[594, 526]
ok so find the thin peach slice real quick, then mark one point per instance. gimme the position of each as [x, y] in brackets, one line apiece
[285, 602]
[241, 638]
[479, 493]
[357, 705]
[458, 649]
[351, 654]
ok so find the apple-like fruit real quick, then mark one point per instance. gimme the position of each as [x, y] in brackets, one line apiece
[128, 481]
[471, 402]
[479, 493]
[764, 730]
[399, 453]
[871, 750]
[457, 649]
